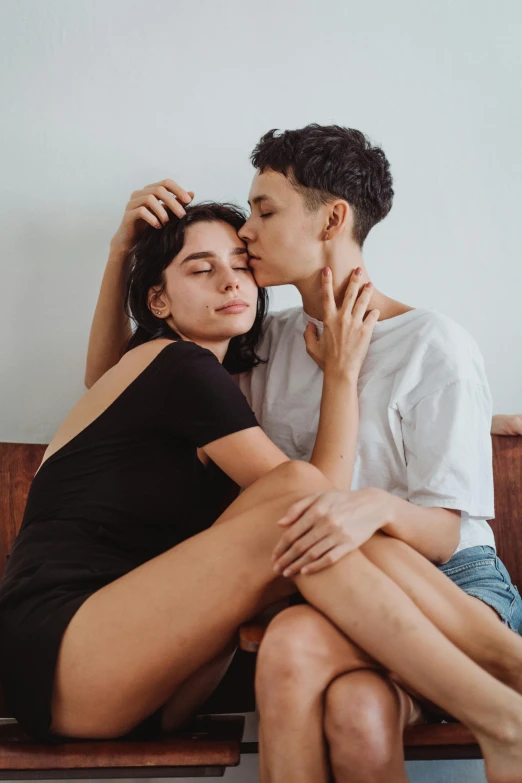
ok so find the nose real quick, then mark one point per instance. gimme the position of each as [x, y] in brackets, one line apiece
[230, 280]
[245, 232]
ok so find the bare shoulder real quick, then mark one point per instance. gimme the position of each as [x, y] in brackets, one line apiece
[142, 355]
[103, 393]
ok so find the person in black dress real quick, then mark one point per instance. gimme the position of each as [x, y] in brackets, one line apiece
[134, 566]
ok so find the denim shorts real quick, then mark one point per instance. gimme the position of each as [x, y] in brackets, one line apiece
[480, 573]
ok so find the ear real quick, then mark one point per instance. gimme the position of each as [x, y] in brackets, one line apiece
[339, 218]
[158, 301]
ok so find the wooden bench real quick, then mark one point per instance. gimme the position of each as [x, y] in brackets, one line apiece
[214, 742]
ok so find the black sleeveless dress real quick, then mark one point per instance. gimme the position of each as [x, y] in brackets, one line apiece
[125, 489]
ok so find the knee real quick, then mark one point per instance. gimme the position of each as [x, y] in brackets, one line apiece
[291, 657]
[362, 722]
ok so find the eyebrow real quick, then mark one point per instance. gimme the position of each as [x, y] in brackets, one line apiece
[237, 251]
[258, 200]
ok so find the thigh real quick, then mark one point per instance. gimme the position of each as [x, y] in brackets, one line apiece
[136, 640]
[276, 483]
[194, 692]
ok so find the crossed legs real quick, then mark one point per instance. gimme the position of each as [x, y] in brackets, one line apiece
[324, 703]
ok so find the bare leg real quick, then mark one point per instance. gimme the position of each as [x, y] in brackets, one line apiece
[302, 659]
[369, 608]
[470, 624]
[134, 642]
[365, 717]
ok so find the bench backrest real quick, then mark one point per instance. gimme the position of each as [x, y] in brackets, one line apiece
[19, 462]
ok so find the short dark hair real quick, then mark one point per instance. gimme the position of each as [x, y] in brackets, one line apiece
[149, 258]
[324, 162]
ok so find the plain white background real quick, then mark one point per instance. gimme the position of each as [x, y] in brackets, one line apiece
[100, 97]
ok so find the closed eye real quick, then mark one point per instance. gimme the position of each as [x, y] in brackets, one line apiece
[206, 271]
[266, 214]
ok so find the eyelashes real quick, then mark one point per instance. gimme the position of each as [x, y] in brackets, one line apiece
[207, 271]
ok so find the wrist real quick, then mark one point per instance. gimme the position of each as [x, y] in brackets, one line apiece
[391, 510]
[118, 256]
[342, 375]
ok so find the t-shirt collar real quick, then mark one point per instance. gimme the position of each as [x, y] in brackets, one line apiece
[380, 326]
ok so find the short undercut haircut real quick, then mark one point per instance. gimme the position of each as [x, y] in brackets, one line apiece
[324, 162]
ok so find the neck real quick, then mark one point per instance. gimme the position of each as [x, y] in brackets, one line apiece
[342, 261]
[218, 347]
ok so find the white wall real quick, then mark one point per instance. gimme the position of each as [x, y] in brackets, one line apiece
[103, 96]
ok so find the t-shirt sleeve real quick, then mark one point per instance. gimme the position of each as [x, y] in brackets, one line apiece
[203, 402]
[448, 449]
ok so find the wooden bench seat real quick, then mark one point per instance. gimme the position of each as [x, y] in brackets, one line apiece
[206, 750]
[213, 743]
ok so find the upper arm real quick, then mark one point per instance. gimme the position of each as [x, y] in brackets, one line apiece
[448, 451]
[245, 456]
[205, 407]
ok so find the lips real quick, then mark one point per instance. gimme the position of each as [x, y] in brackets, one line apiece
[233, 306]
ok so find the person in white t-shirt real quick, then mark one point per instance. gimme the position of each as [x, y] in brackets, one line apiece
[425, 417]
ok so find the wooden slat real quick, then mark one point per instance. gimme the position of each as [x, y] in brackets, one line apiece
[211, 742]
[18, 464]
[426, 742]
[507, 472]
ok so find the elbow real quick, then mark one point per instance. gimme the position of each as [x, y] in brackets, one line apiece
[449, 549]
[90, 377]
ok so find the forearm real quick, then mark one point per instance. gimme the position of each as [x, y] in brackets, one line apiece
[110, 328]
[434, 532]
[334, 449]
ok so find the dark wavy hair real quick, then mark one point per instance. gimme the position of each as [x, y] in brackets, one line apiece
[323, 162]
[149, 258]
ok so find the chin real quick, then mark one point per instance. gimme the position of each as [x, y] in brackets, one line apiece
[266, 279]
[239, 328]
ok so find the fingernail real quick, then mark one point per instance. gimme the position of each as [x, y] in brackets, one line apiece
[358, 270]
[326, 271]
[287, 572]
[369, 285]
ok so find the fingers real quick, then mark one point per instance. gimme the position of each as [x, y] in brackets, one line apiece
[180, 193]
[149, 202]
[330, 558]
[352, 291]
[307, 549]
[150, 198]
[296, 509]
[372, 318]
[329, 306]
[311, 339]
[361, 305]
[146, 215]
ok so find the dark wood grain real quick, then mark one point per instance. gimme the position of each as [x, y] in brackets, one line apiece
[18, 464]
[507, 472]
[213, 743]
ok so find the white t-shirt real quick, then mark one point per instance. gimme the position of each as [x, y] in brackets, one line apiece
[424, 405]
